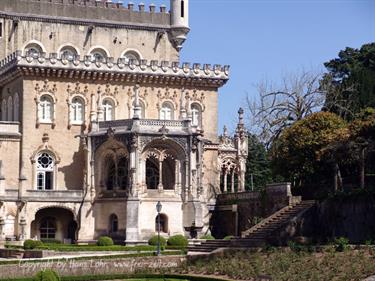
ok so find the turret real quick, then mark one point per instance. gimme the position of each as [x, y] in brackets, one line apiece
[179, 22]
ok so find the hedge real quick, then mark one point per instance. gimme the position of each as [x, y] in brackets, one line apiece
[46, 275]
[32, 244]
[178, 240]
[207, 237]
[154, 241]
[104, 241]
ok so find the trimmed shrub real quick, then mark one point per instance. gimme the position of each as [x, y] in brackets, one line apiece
[154, 241]
[228, 237]
[51, 241]
[32, 244]
[177, 240]
[207, 237]
[104, 241]
[46, 275]
[341, 244]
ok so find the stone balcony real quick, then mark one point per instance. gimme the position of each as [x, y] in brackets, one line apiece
[53, 195]
[9, 129]
[148, 125]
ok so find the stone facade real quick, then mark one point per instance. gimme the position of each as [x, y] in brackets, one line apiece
[100, 121]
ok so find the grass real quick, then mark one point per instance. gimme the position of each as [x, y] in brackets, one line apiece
[286, 265]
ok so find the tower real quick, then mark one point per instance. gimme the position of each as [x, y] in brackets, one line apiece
[179, 22]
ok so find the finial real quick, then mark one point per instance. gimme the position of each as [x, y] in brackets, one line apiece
[225, 131]
[240, 115]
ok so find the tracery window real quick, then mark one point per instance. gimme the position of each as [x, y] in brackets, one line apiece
[108, 110]
[116, 174]
[48, 228]
[10, 109]
[44, 171]
[122, 172]
[16, 107]
[152, 173]
[4, 110]
[196, 114]
[45, 109]
[77, 111]
[166, 111]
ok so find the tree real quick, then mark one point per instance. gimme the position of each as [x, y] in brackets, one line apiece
[275, 110]
[296, 153]
[350, 83]
[258, 171]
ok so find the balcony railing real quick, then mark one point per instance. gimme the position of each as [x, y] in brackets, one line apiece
[54, 195]
[145, 124]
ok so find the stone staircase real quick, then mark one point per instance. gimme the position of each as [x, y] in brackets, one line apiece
[257, 235]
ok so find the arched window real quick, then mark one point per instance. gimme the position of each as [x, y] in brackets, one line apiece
[169, 173]
[196, 115]
[77, 111]
[163, 223]
[108, 108]
[131, 55]
[4, 110]
[16, 106]
[48, 228]
[152, 173]
[166, 111]
[10, 109]
[111, 173]
[122, 172]
[68, 53]
[34, 50]
[44, 171]
[113, 223]
[45, 110]
[99, 54]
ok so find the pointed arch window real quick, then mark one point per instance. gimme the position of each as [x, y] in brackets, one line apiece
[77, 111]
[196, 115]
[166, 111]
[45, 110]
[16, 107]
[45, 171]
[108, 110]
[10, 109]
[4, 110]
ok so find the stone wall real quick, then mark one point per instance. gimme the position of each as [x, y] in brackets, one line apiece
[236, 212]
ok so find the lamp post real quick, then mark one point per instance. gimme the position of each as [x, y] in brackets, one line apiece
[158, 209]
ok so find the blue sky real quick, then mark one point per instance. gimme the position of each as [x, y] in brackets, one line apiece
[266, 39]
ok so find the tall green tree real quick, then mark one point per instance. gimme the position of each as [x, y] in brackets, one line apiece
[258, 171]
[350, 81]
[296, 153]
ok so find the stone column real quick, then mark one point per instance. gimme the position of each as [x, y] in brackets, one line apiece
[232, 182]
[225, 182]
[177, 186]
[160, 185]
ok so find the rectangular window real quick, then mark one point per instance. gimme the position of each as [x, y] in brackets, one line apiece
[48, 185]
[40, 181]
[1, 30]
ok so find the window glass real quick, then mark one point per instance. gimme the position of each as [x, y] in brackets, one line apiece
[77, 110]
[45, 167]
[45, 109]
[108, 110]
[166, 112]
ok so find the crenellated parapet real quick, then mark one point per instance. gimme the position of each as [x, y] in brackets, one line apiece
[117, 69]
[87, 11]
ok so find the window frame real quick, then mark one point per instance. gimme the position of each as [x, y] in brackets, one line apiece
[163, 111]
[42, 109]
[45, 172]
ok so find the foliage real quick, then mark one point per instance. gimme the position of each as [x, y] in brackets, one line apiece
[32, 244]
[51, 241]
[258, 170]
[154, 241]
[207, 237]
[277, 108]
[46, 275]
[341, 244]
[177, 240]
[350, 83]
[104, 241]
[78, 248]
[296, 154]
[228, 237]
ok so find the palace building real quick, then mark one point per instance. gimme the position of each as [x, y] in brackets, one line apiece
[100, 120]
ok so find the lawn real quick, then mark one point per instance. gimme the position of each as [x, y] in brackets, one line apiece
[284, 264]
